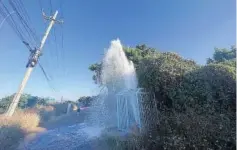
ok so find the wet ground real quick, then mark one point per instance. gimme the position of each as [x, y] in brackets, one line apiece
[76, 137]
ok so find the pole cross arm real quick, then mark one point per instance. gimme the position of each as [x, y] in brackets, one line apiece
[33, 59]
[51, 18]
[28, 46]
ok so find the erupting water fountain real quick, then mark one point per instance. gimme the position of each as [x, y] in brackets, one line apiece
[120, 102]
[120, 106]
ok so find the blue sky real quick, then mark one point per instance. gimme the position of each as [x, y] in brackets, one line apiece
[191, 28]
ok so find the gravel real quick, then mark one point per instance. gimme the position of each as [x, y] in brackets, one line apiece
[76, 137]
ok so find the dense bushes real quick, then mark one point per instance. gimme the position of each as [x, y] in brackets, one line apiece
[177, 82]
[86, 101]
[196, 104]
[187, 130]
[212, 86]
[26, 101]
[163, 74]
[192, 130]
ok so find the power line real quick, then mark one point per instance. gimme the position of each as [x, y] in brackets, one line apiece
[31, 64]
[28, 18]
[54, 33]
[22, 27]
[41, 6]
[57, 52]
[4, 19]
[56, 45]
[5, 12]
[41, 11]
[62, 37]
[21, 18]
[24, 22]
[62, 16]
[23, 10]
[61, 8]
[47, 77]
[51, 6]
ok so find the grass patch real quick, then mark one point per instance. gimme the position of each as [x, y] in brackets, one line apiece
[25, 120]
[10, 137]
[14, 129]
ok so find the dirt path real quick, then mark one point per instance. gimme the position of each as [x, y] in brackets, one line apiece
[67, 132]
[66, 138]
[65, 120]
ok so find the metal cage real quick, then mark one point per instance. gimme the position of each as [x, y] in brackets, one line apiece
[129, 108]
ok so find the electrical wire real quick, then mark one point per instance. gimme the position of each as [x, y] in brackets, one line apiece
[22, 28]
[54, 33]
[62, 37]
[51, 6]
[47, 77]
[41, 11]
[57, 51]
[56, 45]
[49, 40]
[19, 28]
[41, 6]
[20, 16]
[28, 18]
[62, 16]
[4, 19]
[4, 13]
[22, 19]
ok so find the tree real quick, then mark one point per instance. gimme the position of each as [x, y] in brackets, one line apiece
[189, 95]
[26, 101]
[223, 55]
[96, 68]
[133, 54]
[86, 100]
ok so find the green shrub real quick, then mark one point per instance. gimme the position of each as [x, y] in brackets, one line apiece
[231, 63]
[200, 100]
[213, 86]
[182, 131]
[163, 75]
[192, 130]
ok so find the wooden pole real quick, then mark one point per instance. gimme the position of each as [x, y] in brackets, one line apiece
[31, 64]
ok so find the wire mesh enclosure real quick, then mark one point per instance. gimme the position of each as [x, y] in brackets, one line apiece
[135, 108]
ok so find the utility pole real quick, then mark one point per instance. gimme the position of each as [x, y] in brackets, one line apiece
[61, 99]
[33, 59]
